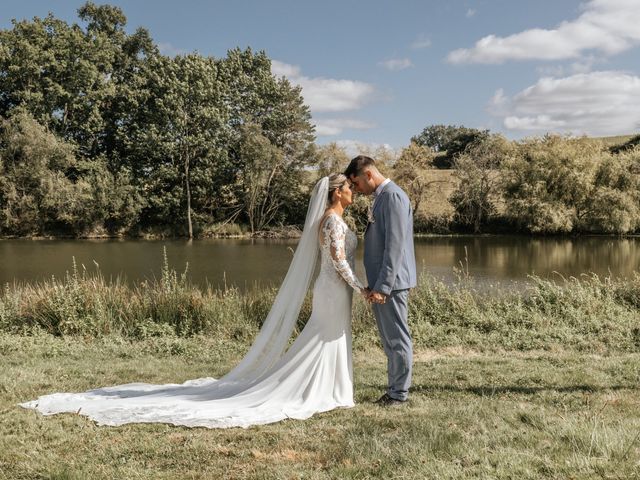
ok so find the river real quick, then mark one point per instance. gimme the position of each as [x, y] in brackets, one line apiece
[249, 263]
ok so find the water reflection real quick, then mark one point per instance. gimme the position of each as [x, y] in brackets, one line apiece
[250, 263]
[513, 258]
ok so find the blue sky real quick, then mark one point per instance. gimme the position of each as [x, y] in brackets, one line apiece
[377, 72]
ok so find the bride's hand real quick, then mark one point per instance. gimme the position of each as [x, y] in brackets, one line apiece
[365, 292]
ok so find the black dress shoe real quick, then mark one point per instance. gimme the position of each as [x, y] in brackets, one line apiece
[387, 401]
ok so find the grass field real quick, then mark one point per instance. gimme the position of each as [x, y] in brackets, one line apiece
[541, 383]
[615, 140]
[471, 415]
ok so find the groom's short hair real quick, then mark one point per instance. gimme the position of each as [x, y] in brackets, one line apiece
[358, 164]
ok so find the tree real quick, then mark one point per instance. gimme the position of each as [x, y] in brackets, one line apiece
[409, 172]
[331, 158]
[178, 136]
[262, 181]
[449, 141]
[165, 135]
[275, 110]
[42, 189]
[68, 78]
[478, 170]
[548, 186]
[614, 206]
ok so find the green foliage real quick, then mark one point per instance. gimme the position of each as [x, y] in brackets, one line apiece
[408, 172]
[562, 185]
[154, 143]
[42, 186]
[178, 139]
[117, 201]
[71, 79]
[448, 140]
[330, 158]
[270, 143]
[588, 314]
[615, 202]
[265, 178]
[102, 134]
[478, 189]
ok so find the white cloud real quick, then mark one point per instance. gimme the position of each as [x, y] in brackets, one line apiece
[499, 103]
[394, 64]
[551, 70]
[169, 50]
[335, 126]
[470, 13]
[605, 26]
[326, 94]
[584, 65]
[539, 122]
[284, 69]
[597, 103]
[421, 42]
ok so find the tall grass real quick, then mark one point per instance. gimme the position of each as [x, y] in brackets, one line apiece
[582, 314]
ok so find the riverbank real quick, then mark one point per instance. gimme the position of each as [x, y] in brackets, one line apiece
[590, 314]
[293, 232]
[541, 383]
[472, 414]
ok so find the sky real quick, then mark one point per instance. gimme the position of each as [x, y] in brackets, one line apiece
[377, 72]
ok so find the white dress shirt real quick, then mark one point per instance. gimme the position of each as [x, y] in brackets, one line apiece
[378, 190]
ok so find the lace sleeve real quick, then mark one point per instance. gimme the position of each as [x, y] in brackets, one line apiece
[333, 235]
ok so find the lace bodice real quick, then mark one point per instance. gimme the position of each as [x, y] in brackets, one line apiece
[274, 380]
[338, 245]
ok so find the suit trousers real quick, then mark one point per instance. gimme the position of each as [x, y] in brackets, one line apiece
[391, 318]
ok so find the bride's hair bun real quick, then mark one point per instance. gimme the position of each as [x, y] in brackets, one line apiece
[336, 180]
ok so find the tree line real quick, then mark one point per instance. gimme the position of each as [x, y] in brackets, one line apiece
[101, 133]
[541, 185]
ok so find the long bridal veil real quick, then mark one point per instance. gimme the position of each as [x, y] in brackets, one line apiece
[272, 340]
[186, 404]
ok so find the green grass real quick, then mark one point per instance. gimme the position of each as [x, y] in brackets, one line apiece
[542, 383]
[589, 314]
[471, 415]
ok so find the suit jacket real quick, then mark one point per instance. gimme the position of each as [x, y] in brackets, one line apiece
[389, 258]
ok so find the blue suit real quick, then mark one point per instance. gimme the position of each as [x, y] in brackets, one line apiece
[390, 265]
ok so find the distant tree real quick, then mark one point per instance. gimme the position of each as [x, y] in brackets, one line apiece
[549, 187]
[409, 172]
[260, 103]
[449, 141]
[154, 141]
[478, 170]
[331, 158]
[263, 183]
[614, 204]
[69, 78]
[43, 188]
[179, 136]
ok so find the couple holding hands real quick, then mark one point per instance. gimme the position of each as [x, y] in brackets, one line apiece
[276, 380]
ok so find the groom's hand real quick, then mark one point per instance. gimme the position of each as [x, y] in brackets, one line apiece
[377, 297]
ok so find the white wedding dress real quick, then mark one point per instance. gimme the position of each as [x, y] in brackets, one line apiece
[272, 382]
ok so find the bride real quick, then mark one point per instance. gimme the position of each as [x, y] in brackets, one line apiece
[271, 382]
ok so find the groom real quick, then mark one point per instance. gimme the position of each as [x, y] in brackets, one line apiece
[390, 265]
